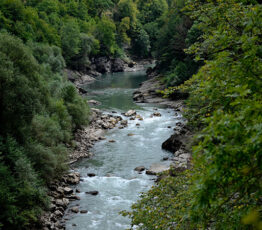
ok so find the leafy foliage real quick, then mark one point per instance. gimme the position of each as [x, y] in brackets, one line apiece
[39, 112]
[223, 190]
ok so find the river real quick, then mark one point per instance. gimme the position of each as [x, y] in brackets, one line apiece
[118, 184]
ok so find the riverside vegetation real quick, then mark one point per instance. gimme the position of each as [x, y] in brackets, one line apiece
[213, 48]
[223, 189]
[40, 110]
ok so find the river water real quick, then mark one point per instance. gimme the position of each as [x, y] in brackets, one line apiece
[118, 184]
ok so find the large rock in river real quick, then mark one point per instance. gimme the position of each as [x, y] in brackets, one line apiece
[103, 65]
[118, 65]
[130, 113]
[173, 143]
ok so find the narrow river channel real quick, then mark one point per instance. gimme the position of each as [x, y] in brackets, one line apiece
[118, 184]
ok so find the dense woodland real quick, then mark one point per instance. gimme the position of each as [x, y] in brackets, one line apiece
[211, 49]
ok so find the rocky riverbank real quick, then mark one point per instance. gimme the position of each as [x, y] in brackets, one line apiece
[61, 192]
[101, 66]
[179, 142]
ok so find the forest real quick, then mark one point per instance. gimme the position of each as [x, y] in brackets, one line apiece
[210, 49]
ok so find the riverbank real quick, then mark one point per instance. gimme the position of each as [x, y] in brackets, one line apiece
[99, 123]
[179, 142]
[85, 139]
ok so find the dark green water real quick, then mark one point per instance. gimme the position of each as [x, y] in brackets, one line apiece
[114, 91]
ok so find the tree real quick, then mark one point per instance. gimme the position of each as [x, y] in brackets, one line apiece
[70, 35]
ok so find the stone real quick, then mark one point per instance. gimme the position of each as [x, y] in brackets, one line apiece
[173, 143]
[140, 169]
[157, 114]
[124, 122]
[81, 90]
[185, 156]
[93, 102]
[91, 174]
[75, 209]
[112, 141]
[73, 197]
[60, 190]
[165, 158]
[68, 190]
[118, 65]
[113, 120]
[58, 213]
[77, 190]
[73, 178]
[157, 168]
[65, 202]
[149, 172]
[137, 124]
[130, 134]
[103, 65]
[87, 79]
[93, 193]
[97, 111]
[130, 113]
[139, 97]
[59, 202]
[52, 207]
[83, 211]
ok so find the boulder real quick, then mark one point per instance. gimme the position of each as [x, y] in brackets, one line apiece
[83, 211]
[151, 173]
[103, 65]
[130, 113]
[58, 213]
[65, 202]
[157, 168]
[73, 178]
[118, 65]
[68, 190]
[81, 90]
[94, 102]
[140, 169]
[138, 97]
[173, 143]
[93, 193]
[87, 79]
[75, 209]
[91, 174]
[157, 114]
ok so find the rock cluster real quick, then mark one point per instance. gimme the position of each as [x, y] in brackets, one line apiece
[132, 114]
[149, 93]
[177, 144]
[85, 138]
[60, 195]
